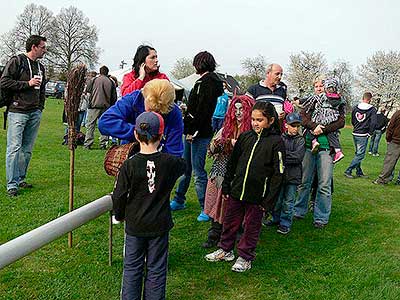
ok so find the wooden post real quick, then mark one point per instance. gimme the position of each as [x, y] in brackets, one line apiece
[71, 133]
[110, 240]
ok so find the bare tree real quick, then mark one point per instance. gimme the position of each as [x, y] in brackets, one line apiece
[381, 76]
[254, 71]
[303, 69]
[341, 70]
[35, 19]
[182, 68]
[73, 40]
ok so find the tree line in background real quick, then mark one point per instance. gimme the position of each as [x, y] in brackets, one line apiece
[380, 76]
[70, 38]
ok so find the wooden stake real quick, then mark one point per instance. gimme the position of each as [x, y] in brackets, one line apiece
[71, 186]
[110, 240]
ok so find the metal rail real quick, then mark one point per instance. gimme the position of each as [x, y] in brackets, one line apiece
[37, 238]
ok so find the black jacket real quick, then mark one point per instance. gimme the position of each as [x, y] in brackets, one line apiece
[141, 195]
[201, 105]
[294, 150]
[381, 122]
[363, 118]
[15, 78]
[255, 168]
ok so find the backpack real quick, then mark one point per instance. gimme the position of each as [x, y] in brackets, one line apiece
[6, 96]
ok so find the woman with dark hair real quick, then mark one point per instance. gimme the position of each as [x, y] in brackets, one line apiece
[198, 130]
[145, 68]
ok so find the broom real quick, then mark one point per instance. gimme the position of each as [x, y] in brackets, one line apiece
[75, 86]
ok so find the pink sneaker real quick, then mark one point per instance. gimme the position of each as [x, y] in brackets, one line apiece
[314, 146]
[338, 156]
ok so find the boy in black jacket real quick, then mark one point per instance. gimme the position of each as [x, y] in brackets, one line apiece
[282, 214]
[141, 198]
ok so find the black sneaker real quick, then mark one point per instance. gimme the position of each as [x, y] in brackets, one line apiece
[12, 192]
[318, 225]
[397, 182]
[25, 185]
[362, 176]
[283, 230]
[209, 244]
[269, 223]
[348, 175]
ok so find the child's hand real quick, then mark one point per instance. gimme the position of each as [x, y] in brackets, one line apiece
[262, 208]
[233, 142]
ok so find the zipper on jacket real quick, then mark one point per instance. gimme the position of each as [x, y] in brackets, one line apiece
[248, 165]
[265, 186]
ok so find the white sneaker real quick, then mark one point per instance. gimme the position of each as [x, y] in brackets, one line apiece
[241, 265]
[220, 255]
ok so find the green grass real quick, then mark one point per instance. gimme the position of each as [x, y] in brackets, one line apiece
[356, 257]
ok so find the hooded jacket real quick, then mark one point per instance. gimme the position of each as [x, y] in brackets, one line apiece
[119, 121]
[201, 105]
[255, 168]
[363, 118]
[294, 154]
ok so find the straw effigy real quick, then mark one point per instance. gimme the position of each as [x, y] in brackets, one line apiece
[75, 86]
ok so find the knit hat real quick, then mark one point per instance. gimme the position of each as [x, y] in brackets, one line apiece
[150, 124]
[331, 83]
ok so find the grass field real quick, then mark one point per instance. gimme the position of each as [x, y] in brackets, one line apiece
[356, 257]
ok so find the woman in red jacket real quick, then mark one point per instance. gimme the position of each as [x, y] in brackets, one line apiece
[145, 68]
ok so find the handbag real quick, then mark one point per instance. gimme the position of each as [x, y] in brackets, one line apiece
[116, 155]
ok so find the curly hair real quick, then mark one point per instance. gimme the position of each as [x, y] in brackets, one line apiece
[159, 95]
[230, 126]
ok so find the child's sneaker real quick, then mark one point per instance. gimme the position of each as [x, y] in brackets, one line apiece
[283, 230]
[241, 265]
[176, 205]
[314, 146]
[220, 255]
[338, 156]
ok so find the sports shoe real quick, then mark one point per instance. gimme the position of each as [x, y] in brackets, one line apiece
[318, 225]
[375, 154]
[12, 192]
[348, 175]
[176, 205]
[283, 230]
[203, 217]
[397, 182]
[378, 181]
[25, 185]
[269, 223]
[241, 265]
[220, 255]
[314, 146]
[369, 152]
[362, 175]
[338, 156]
[209, 244]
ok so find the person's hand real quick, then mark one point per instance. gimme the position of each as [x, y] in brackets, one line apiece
[233, 142]
[35, 82]
[318, 130]
[142, 71]
[262, 208]
[189, 138]
[281, 115]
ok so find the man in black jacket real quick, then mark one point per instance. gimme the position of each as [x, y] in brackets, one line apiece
[381, 124]
[24, 77]
[363, 118]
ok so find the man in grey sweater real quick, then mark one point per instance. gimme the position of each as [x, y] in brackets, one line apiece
[102, 94]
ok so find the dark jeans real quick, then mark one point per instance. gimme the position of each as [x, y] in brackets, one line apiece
[284, 207]
[238, 212]
[360, 143]
[374, 143]
[145, 258]
[217, 124]
[195, 157]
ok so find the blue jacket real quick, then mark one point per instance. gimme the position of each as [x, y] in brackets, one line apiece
[222, 106]
[119, 121]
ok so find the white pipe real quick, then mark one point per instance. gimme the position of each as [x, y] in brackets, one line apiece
[37, 238]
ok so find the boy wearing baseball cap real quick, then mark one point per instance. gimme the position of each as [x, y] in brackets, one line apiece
[282, 214]
[141, 199]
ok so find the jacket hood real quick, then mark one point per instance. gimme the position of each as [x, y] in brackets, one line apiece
[364, 106]
[210, 76]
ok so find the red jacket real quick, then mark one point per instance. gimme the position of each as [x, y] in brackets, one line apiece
[130, 83]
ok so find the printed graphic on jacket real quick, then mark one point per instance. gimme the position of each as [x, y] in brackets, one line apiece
[360, 117]
[151, 175]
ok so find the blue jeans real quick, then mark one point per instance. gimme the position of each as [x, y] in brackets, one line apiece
[323, 162]
[195, 156]
[374, 143]
[360, 143]
[283, 210]
[145, 258]
[21, 135]
[217, 123]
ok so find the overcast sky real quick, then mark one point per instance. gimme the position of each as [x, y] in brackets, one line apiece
[232, 30]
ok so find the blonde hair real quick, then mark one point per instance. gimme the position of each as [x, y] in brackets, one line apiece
[319, 78]
[159, 95]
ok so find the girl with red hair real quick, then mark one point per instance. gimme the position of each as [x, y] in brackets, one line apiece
[237, 120]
